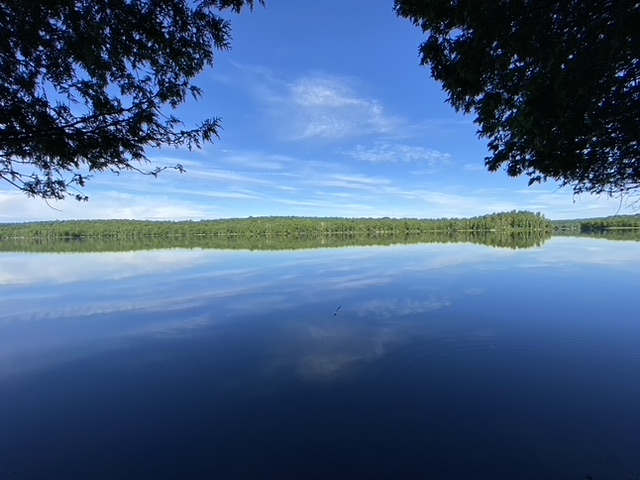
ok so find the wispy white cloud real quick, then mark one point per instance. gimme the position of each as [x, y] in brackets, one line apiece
[329, 108]
[359, 182]
[228, 177]
[474, 167]
[326, 92]
[437, 204]
[318, 106]
[385, 152]
[16, 207]
[562, 204]
[333, 108]
[255, 160]
[364, 180]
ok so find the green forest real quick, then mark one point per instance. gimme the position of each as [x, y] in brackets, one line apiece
[599, 224]
[277, 226]
[516, 229]
[509, 229]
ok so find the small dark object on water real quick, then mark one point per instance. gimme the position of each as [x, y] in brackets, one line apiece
[336, 312]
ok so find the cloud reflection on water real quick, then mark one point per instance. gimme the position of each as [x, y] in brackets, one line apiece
[395, 307]
[63, 303]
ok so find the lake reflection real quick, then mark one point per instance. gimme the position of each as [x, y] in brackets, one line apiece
[443, 361]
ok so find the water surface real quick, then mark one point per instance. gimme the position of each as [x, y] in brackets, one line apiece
[443, 361]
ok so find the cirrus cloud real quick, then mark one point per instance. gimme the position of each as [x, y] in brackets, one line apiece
[329, 108]
[384, 152]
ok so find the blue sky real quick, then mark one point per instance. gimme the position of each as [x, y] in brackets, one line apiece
[326, 112]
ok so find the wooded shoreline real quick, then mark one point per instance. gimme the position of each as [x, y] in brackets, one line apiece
[279, 226]
[502, 230]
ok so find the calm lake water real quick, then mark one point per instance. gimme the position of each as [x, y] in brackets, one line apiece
[444, 361]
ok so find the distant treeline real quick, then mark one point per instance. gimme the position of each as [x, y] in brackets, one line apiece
[600, 224]
[502, 239]
[504, 230]
[619, 234]
[277, 226]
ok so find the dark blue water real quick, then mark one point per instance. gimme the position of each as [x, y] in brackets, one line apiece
[443, 362]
